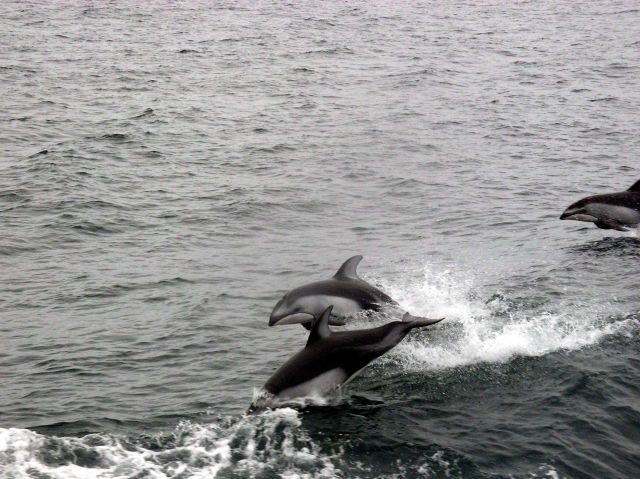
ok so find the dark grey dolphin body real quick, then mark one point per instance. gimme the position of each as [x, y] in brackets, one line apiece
[618, 211]
[345, 291]
[330, 359]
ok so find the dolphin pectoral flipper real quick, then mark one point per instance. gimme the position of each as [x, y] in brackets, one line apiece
[419, 322]
[610, 224]
[602, 224]
[335, 321]
[348, 269]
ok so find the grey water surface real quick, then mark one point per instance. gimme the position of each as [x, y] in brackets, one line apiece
[169, 170]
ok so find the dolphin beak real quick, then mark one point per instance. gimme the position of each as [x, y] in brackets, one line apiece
[296, 318]
[569, 212]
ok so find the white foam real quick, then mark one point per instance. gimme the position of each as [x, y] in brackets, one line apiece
[270, 444]
[477, 331]
[271, 440]
[263, 399]
[548, 472]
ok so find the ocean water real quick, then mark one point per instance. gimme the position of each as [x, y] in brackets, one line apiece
[169, 170]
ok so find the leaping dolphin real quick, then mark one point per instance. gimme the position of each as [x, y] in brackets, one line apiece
[331, 359]
[345, 291]
[618, 211]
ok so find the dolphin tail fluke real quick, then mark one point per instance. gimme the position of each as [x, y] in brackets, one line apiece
[419, 322]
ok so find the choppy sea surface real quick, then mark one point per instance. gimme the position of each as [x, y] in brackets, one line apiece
[169, 170]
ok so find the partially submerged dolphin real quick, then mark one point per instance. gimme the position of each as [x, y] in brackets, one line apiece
[345, 291]
[330, 359]
[618, 211]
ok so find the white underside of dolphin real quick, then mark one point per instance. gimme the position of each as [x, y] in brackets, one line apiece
[317, 386]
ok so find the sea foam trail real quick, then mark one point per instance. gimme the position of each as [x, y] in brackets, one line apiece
[494, 330]
[268, 443]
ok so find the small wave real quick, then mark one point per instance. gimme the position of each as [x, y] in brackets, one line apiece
[82, 204]
[280, 147]
[40, 153]
[16, 248]
[145, 113]
[92, 228]
[18, 118]
[14, 196]
[115, 136]
[121, 289]
[330, 51]
[604, 99]
[622, 12]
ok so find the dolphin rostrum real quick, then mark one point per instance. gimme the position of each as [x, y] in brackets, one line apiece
[617, 211]
[345, 291]
[330, 359]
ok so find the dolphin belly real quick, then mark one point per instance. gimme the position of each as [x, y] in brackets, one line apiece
[321, 384]
[621, 214]
[342, 306]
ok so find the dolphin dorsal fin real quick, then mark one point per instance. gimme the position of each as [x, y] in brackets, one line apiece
[635, 187]
[320, 327]
[348, 269]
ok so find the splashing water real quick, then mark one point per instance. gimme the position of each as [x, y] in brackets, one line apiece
[263, 399]
[251, 446]
[494, 330]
